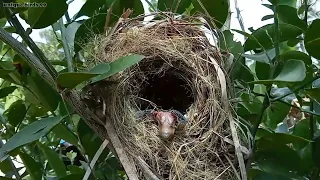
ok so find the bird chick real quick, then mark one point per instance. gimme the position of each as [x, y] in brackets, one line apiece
[166, 122]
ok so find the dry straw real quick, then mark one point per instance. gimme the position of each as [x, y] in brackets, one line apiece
[181, 70]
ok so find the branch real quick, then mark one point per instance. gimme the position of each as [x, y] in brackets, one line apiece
[20, 30]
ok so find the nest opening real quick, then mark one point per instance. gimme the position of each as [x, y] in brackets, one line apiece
[167, 90]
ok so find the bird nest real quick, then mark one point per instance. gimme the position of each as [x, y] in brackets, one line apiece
[182, 71]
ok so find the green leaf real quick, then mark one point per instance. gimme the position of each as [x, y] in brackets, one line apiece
[89, 8]
[275, 114]
[293, 70]
[262, 57]
[291, 3]
[120, 6]
[217, 9]
[312, 39]
[28, 134]
[5, 166]
[42, 17]
[119, 65]
[289, 15]
[283, 139]
[62, 132]
[266, 17]
[171, 5]
[296, 55]
[76, 170]
[306, 156]
[277, 158]
[4, 92]
[54, 160]
[269, 176]
[265, 36]
[45, 94]
[94, 25]
[314, 94]
[293, 42]
[90, 141]
[33, 168]
[4, 73]
[72, 176]
[72, 79]
[16, 113]
[302, 129]
[262, 70]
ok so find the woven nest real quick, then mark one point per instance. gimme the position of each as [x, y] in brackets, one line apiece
[179, 71]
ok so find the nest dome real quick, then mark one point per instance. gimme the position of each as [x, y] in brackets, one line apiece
[180, 71]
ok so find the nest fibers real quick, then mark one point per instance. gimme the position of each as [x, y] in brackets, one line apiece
[181, 70]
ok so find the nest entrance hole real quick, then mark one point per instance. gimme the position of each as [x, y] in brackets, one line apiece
[167, 90]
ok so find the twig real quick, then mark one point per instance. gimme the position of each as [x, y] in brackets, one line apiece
[146, 170]
[95, 158]
[239, 17]
[124, 159]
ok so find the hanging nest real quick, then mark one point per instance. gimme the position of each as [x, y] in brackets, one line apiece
[182, 71]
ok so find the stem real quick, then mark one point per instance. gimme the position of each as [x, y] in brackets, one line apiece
[306, 11]
[20, 30]
[265, 105]
[66, 46]
[239, 17]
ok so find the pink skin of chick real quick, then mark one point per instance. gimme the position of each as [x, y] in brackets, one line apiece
[166, 122]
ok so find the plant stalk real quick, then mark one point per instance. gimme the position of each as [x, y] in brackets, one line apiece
[66, 46]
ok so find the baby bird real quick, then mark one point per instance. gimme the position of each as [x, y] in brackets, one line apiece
[168, 121]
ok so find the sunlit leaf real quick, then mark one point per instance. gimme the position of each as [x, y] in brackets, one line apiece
[119, 65]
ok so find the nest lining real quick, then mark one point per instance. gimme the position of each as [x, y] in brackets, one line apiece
[176, 73]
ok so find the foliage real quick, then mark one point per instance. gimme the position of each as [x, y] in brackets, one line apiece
[34, 117]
